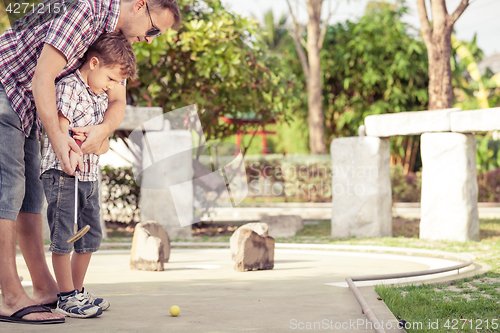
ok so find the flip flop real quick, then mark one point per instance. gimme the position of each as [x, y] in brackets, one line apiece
[17, 317]
[51, 305]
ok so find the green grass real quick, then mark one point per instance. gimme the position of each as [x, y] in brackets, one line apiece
[466, 305]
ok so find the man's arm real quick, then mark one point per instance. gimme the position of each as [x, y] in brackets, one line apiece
[50, 63]
[104, 147]
[96, 134]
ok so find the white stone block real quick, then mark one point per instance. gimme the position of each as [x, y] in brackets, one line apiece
[135, 116]
[168, 164]
[449, 187]
[476, 120]
[147, 250]
[361, 187]
[409, 123]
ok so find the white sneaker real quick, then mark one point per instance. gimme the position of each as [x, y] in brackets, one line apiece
[97, 301]
[75, 305]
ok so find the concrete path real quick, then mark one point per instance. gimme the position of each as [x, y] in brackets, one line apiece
[304, 292]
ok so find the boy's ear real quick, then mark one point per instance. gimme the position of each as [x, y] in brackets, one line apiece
[94, 61]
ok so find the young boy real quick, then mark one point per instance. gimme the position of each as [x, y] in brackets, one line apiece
[82, 101]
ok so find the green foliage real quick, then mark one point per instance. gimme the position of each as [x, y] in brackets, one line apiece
[4, 19]
[214, 62]
[472, 89]
[372, 67]
[274, 35]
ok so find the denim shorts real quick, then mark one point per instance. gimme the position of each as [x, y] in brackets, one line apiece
[20, 186]
[59, 190]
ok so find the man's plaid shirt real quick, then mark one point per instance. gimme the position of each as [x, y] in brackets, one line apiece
[82, 107]
[78, 24]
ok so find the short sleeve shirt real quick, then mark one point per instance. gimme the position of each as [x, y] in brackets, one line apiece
[82, 107]
[77, 25]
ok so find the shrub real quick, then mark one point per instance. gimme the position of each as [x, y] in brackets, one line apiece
[120, 195]
[405, 188]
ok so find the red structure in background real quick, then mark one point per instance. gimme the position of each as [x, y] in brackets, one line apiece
[263, 132]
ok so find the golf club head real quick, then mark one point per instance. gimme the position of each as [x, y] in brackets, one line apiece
[78, 235]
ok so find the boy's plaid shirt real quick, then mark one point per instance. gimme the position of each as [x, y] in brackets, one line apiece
[82, 107]
[77, 25]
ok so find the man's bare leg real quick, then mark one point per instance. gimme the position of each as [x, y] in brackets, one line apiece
[30, 239]
[13, 295]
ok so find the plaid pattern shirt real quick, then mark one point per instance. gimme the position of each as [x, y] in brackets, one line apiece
[82, 107]
[77, 25]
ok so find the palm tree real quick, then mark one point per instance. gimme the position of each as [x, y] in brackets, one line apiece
[274, 34]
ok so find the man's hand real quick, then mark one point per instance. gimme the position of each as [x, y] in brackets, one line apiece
[94, 136]
[63, 144]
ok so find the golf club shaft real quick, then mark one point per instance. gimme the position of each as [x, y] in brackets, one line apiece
[76, 200]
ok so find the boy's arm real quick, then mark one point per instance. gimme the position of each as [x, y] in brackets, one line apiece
[113, 116]
[74, 158]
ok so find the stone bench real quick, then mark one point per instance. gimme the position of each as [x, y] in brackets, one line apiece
[362, 198]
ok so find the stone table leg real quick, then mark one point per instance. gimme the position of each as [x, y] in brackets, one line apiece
[449, 187]
[361, 187]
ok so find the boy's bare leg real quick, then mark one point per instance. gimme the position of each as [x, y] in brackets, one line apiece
[30, 239]
[13, 295]
[62, 270]
[79, 264]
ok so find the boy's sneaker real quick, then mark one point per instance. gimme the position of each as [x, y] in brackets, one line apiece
[75, 305]
[97, 301]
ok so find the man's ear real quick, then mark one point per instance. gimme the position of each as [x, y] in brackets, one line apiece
[139, 5]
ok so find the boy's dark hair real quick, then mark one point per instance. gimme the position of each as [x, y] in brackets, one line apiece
[114, 49]
[170, 5]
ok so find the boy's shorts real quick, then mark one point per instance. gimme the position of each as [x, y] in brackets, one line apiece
[59, 190]
[20, 185]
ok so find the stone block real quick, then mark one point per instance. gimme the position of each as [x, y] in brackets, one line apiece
[283, 225]
[408, 123]
[255, 252]
[260, 228]
[167, 163]
[361, 187]
[150, 117]
[449, 187]
[476, 120]
[155, 229]
[147, 251]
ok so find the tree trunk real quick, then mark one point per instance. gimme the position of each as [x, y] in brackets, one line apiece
[315, 91]
[438, 42]
[440, 87]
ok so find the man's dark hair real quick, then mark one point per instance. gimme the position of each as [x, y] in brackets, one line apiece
[170, 5]
[114, 49]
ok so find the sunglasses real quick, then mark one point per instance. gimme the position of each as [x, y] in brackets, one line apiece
[154, 32]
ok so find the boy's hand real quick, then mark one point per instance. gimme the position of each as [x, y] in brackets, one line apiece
[75, 160]
[63, 144]
[94, 137]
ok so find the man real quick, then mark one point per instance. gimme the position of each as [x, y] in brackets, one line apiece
[34, 55]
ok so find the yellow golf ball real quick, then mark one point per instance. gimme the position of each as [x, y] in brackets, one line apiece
[175, 310]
